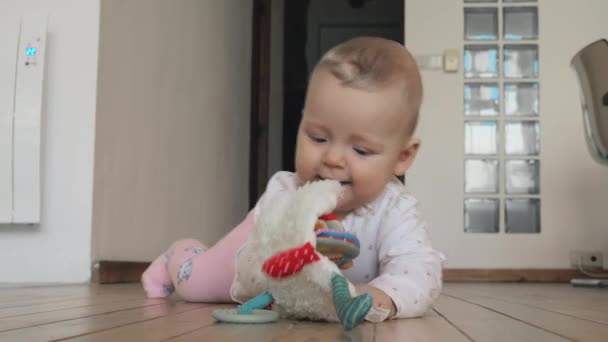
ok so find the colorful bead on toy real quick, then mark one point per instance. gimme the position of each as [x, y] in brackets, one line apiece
[334, 242]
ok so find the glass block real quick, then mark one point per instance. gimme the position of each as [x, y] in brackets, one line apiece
[481, 61]
[481, 99]
[521, 61]
[480, 137]
[480, 23]
[481, 215]
[521, 99]
[481, 176]
[520, 23]
[522, 138]
[522, 176]
[522, 215]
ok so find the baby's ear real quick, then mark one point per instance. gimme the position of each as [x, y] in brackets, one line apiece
[406, 156]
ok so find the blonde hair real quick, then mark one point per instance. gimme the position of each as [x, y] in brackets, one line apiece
[373, 63]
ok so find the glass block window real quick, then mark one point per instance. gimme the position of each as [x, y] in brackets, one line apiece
[521, 99]
[520, 61]
[522, 177]
[481, 176]
[522, 138]
[482, 99]
[502, 116]
[520, 23]
[481, 61]
[481, 215]
[522, 215]
[481, 23]
[480, 137]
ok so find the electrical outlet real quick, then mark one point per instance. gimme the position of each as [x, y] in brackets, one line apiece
[588, 260]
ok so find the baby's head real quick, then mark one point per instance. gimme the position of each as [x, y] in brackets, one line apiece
[359, 118]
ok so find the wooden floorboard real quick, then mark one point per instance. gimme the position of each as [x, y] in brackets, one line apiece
[234, 332]
[292, 331]
[12, 295]
[10, 323]
[98, 323]
[159, 329]
[585, 303]
[431, 327]
[64, 304]
[481, 324]
[568, 326]
[464, 312]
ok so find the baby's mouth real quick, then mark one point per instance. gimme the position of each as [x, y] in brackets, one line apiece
[341, 182]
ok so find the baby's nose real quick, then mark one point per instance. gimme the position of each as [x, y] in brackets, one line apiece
[334, 157]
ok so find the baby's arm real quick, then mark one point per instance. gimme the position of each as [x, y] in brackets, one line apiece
[410, 269]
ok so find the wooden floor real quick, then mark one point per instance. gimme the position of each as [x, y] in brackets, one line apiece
[465, 312]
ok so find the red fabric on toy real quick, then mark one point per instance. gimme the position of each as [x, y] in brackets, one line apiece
[290, 262]
[329, 217]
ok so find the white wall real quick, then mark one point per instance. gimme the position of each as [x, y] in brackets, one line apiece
[574, 189]
[172, 149]
[59, 249]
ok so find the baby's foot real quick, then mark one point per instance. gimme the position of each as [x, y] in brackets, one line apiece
[156, 280]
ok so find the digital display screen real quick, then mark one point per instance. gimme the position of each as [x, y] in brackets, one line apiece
[30, 51]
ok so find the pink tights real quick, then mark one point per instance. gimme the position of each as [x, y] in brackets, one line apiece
[197, 273]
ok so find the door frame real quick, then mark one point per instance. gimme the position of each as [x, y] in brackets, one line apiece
[260, 99]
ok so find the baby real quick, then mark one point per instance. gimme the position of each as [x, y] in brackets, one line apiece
[357, 127]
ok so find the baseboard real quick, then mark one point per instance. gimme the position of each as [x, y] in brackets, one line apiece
[532, 275]
[110, 272]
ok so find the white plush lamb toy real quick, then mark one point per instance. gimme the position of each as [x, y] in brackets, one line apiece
[280, 265]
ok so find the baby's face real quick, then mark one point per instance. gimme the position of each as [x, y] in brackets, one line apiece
[351, 135]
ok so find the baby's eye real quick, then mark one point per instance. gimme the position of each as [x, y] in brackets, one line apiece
[362, 151]
[318, 139]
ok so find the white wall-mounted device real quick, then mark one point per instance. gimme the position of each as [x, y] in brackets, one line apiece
[20, 126]
[449, 61]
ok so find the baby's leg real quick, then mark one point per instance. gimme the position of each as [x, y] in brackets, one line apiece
[198, 274]
[156, 280]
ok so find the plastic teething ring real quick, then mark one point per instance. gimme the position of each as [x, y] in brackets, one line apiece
[258, 316]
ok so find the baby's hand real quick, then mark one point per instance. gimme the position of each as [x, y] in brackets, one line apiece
[381, 299]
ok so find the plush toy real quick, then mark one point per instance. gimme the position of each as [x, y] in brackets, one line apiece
[292, 262]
